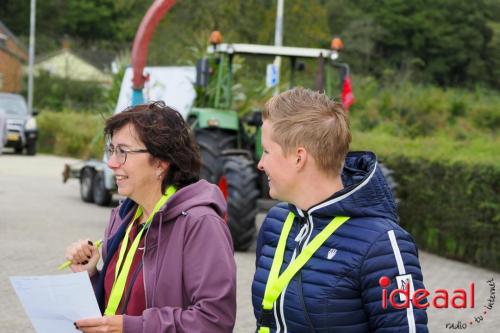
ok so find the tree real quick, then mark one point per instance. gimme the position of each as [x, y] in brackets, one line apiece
[449, 42]
[450, 49]
[108, 23]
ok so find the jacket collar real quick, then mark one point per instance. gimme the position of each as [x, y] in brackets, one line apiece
[365, 192]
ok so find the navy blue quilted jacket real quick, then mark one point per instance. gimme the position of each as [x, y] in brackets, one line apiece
[338, 288]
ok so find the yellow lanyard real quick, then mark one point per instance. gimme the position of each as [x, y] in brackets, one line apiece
[276, 282]
[121, 275]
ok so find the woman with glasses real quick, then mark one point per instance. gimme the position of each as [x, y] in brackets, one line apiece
[168, 262]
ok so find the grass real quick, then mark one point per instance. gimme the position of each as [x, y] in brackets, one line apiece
[480, 149]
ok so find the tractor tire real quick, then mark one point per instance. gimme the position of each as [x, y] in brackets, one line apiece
[243, 191]
[102, 196]
[211, 143]
[86, 185]
[31, 148]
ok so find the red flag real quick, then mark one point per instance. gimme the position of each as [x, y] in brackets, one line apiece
[347, 94]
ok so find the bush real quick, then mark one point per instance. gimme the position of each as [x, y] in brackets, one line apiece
[56, 94]
[487, 117]
[451, 208]
[413, 110]
[69, 133]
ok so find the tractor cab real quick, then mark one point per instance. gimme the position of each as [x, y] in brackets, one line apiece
[229, 143]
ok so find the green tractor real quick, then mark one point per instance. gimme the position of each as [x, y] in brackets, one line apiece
[229, 144]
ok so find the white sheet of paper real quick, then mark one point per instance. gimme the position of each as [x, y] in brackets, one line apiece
[54, 302]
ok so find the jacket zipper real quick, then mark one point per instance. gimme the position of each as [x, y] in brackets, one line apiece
[299, 279]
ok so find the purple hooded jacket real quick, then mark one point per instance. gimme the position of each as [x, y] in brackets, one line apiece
[188, 264]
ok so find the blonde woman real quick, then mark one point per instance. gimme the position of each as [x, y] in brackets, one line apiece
[326, 254]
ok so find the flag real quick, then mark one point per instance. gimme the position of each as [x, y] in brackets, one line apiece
[347, 94]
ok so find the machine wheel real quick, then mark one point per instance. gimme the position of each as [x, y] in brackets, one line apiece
[242, 194]
[212, 142]
[102, 196]
[18, 150]
[31, 148]
[86, 185]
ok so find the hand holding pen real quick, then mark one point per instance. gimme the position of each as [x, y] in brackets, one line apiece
[82, 255]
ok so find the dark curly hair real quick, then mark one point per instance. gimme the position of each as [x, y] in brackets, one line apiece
[166, 136]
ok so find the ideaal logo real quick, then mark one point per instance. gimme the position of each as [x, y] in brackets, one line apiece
[490, 301]
[460, 298]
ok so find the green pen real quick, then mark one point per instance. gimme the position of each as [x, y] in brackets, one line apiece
[66, 264]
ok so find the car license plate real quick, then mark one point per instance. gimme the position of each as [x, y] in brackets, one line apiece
[13, 136]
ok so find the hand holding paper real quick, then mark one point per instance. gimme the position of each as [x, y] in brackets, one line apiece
[54, 303]
[109, 323]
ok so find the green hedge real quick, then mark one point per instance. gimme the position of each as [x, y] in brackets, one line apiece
[451, 208]
[449, 191]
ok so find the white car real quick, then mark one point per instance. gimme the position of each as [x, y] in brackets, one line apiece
[22, 132]
[3, 130]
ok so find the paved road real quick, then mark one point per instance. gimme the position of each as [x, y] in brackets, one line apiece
[39, 216]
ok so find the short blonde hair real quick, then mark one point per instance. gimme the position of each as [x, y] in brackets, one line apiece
[302, 117]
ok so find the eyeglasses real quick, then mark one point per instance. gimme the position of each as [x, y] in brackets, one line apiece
[121, 153]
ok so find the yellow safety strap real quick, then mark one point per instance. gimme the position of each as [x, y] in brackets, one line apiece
[276, 283]
[122, 274]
